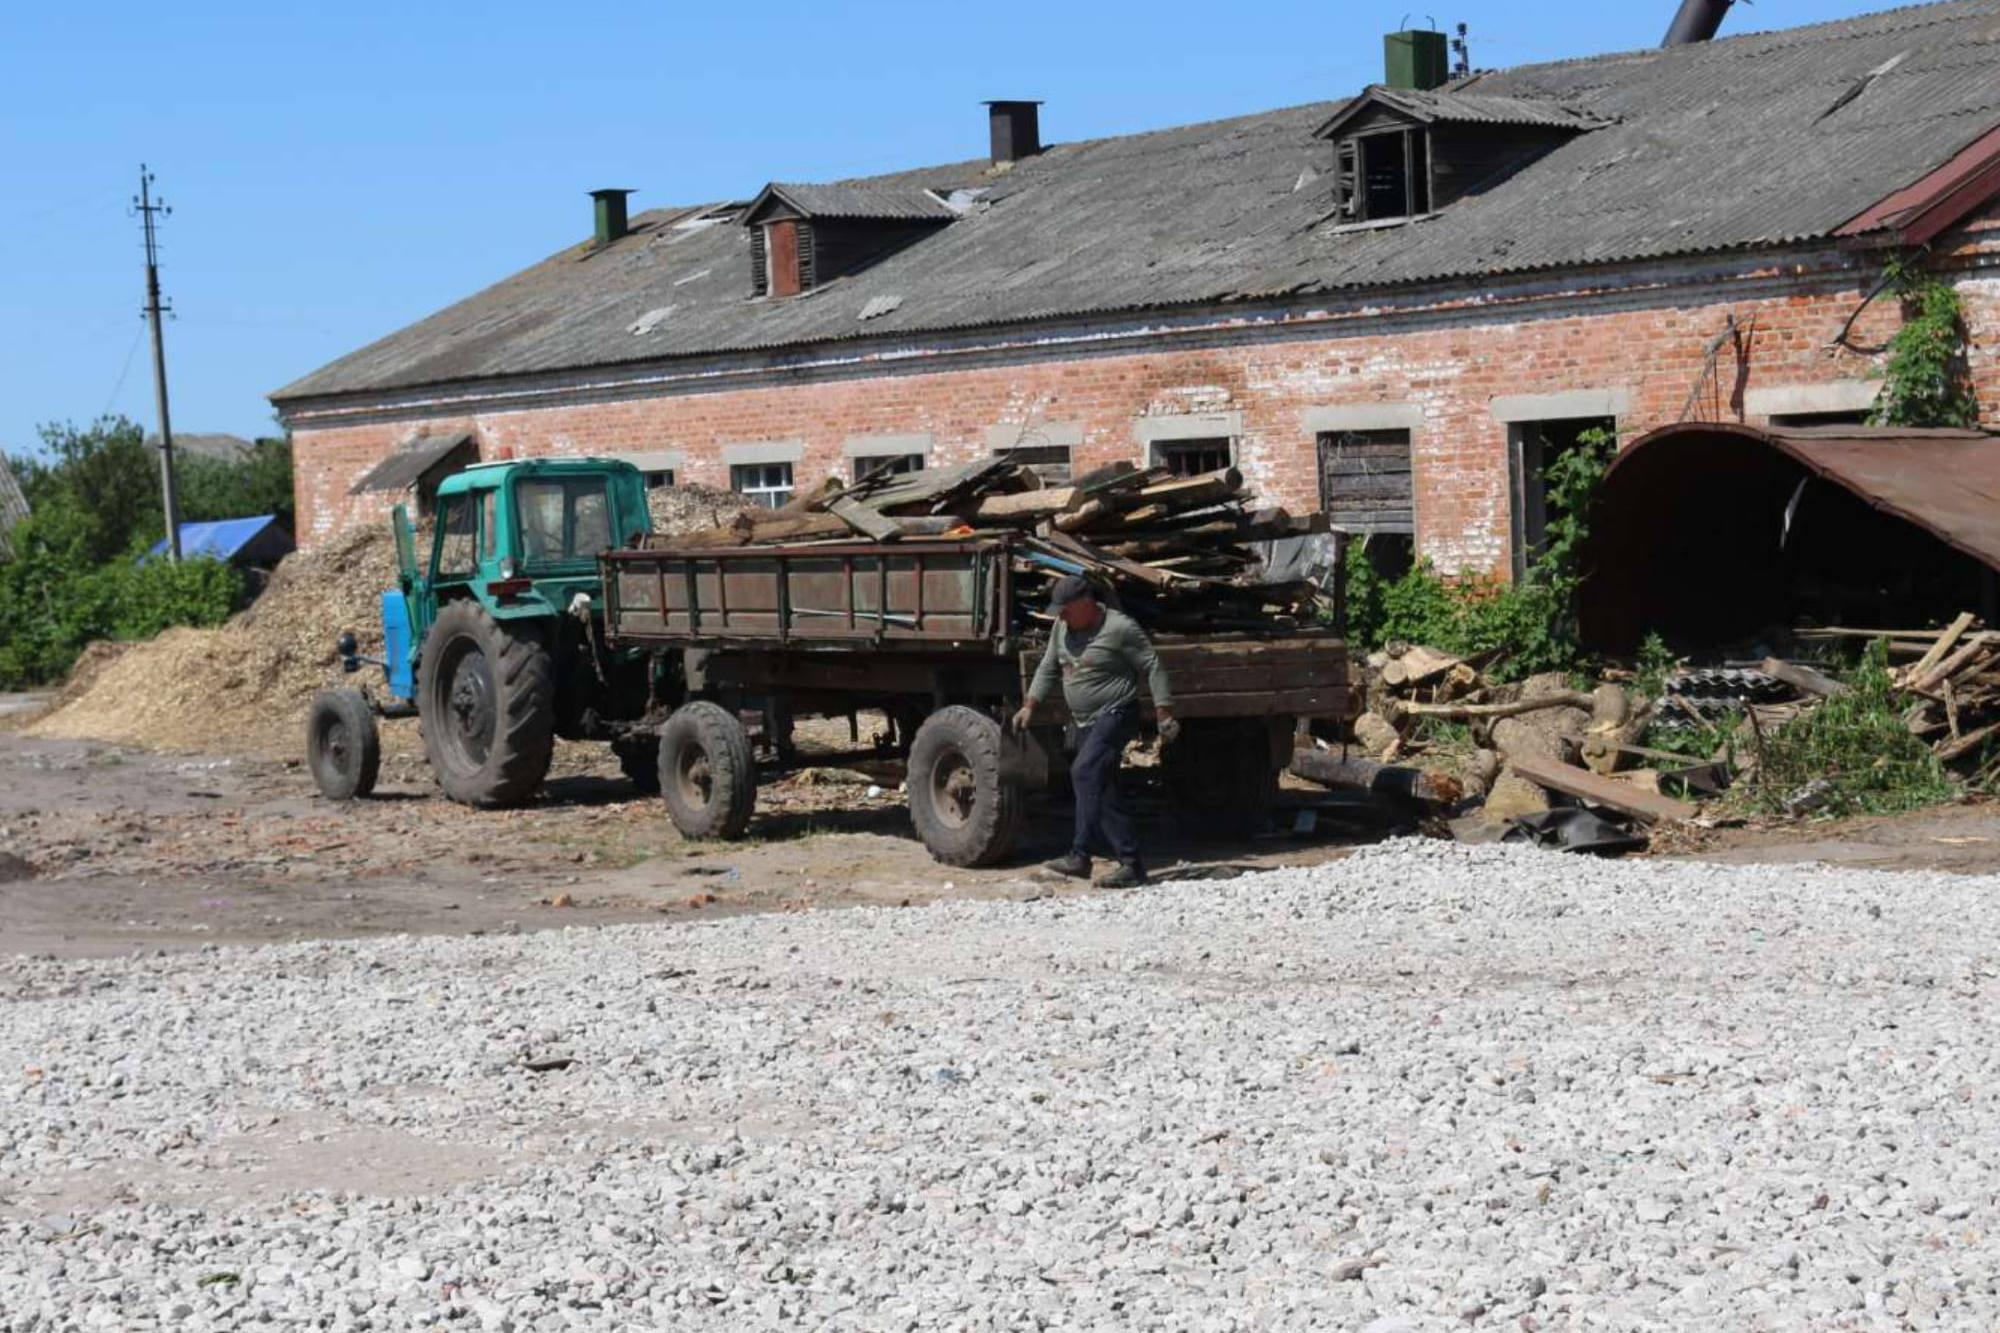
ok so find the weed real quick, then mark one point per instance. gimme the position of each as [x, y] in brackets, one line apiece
[1853, 752]
[1926, 382]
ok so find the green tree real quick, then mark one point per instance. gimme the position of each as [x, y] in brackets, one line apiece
[1927, 381]
[261, 483]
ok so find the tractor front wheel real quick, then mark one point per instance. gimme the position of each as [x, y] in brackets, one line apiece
[343, 748]
[486, 698]
[706, 771]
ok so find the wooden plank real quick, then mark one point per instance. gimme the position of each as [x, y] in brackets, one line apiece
[1616, 793]
[1187, 492]
[865, 520]
[1942, 646]
[1923, 682]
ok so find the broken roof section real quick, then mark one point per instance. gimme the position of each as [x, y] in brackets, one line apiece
[1726, 145]
[1715, 533]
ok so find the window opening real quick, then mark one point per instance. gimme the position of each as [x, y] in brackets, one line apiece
[769, 484]
[1533, 446]
[869, 465]
[1188, 458]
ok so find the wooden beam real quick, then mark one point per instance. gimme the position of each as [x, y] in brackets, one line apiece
[1029, 504]
[1616, 793]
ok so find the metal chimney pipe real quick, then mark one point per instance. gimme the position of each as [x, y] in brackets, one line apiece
[1697, 21]
[1015, 129]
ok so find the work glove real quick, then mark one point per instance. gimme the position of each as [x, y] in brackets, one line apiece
[1021, 719]
[1170, 730]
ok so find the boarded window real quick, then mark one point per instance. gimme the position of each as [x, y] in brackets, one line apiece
[781, 245]
[760, 264]
[1191, 458]
[1364, 480]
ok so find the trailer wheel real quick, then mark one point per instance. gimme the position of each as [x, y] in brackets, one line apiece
[964, 812]
[343, 748]
[706, 771]
[486, 699]
[1220, 769]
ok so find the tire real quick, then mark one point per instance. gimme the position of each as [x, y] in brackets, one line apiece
[486, 698]
[343, 747]
[1220, 771]
[641, 761]
[965, 814]
[706, 772]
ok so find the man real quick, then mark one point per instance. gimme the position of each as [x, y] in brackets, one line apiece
[1099, 654]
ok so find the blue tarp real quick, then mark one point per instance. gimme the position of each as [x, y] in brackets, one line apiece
[259, 540]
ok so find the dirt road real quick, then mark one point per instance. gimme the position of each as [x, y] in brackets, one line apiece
[105, 850]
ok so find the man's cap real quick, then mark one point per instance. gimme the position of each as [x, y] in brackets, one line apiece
[1068, 588]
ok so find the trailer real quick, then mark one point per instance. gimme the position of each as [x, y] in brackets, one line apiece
[929, 631]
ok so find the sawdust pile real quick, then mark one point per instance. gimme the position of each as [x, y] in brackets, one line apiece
[243, 687]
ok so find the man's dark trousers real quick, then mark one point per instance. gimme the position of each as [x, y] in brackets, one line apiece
[1093, 776]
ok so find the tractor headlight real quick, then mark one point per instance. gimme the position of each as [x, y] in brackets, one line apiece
[507, 568]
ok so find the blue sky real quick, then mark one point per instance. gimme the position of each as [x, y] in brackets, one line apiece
[337, 171]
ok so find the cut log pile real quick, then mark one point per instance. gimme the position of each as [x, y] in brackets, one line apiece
[1540, 743]
[1181, 544]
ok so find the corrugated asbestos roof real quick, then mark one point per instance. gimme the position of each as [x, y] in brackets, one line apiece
[1450, 108]
[860, 200]
[1747, 141]
[406, 465]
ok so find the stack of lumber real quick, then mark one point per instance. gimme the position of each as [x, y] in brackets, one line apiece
[1180, 545]
[1949, 679]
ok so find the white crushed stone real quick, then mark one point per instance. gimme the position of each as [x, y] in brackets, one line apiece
[1426, 1087]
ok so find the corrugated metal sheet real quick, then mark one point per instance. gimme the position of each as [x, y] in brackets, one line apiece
[1720, 146]
[1450, 108]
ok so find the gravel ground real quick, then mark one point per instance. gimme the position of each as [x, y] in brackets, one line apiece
[1424, 1087]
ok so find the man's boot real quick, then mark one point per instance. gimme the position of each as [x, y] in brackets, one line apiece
[1128, 876]
[1073, 864]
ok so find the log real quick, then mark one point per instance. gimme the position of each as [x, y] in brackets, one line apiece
[1943, 645]
[1802, 678]
[1615, 793]
[1329, 769]
[1089, 512]
[1468, 712]
[1187, 492]
[1029, 504]
[1967, 743]
[1923, 682]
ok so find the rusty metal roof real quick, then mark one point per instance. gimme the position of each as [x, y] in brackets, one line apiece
[1944, 481]
[1752, 141]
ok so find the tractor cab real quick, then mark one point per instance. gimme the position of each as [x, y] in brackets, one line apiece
[494, 632]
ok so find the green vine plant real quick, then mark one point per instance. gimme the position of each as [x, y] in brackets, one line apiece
[1927, 381]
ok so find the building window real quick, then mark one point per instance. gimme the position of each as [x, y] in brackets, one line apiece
[769, 484]
[1794, 420]
[1533, 445]
[868, 465]
[1050, 462]
[659, 480]
[1383, 176]
[1190, 458]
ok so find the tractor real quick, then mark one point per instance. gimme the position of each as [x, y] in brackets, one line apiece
[496, 644]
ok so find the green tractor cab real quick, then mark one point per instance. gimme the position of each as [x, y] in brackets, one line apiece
[496, 641]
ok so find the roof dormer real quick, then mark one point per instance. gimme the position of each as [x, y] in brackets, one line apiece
[1404, 153]
[805, 236]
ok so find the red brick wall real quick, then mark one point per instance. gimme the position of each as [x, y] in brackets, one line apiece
[1649, 344]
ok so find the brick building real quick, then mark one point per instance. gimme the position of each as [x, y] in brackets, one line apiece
[1395, 308]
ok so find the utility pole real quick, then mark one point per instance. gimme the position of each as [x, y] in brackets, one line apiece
[147, 207]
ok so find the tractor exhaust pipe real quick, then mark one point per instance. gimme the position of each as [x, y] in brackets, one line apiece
[1697, 21]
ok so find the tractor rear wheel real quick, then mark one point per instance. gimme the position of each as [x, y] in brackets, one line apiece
[486, 698]
[965, 812]
[706, 771]
[343, 748]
